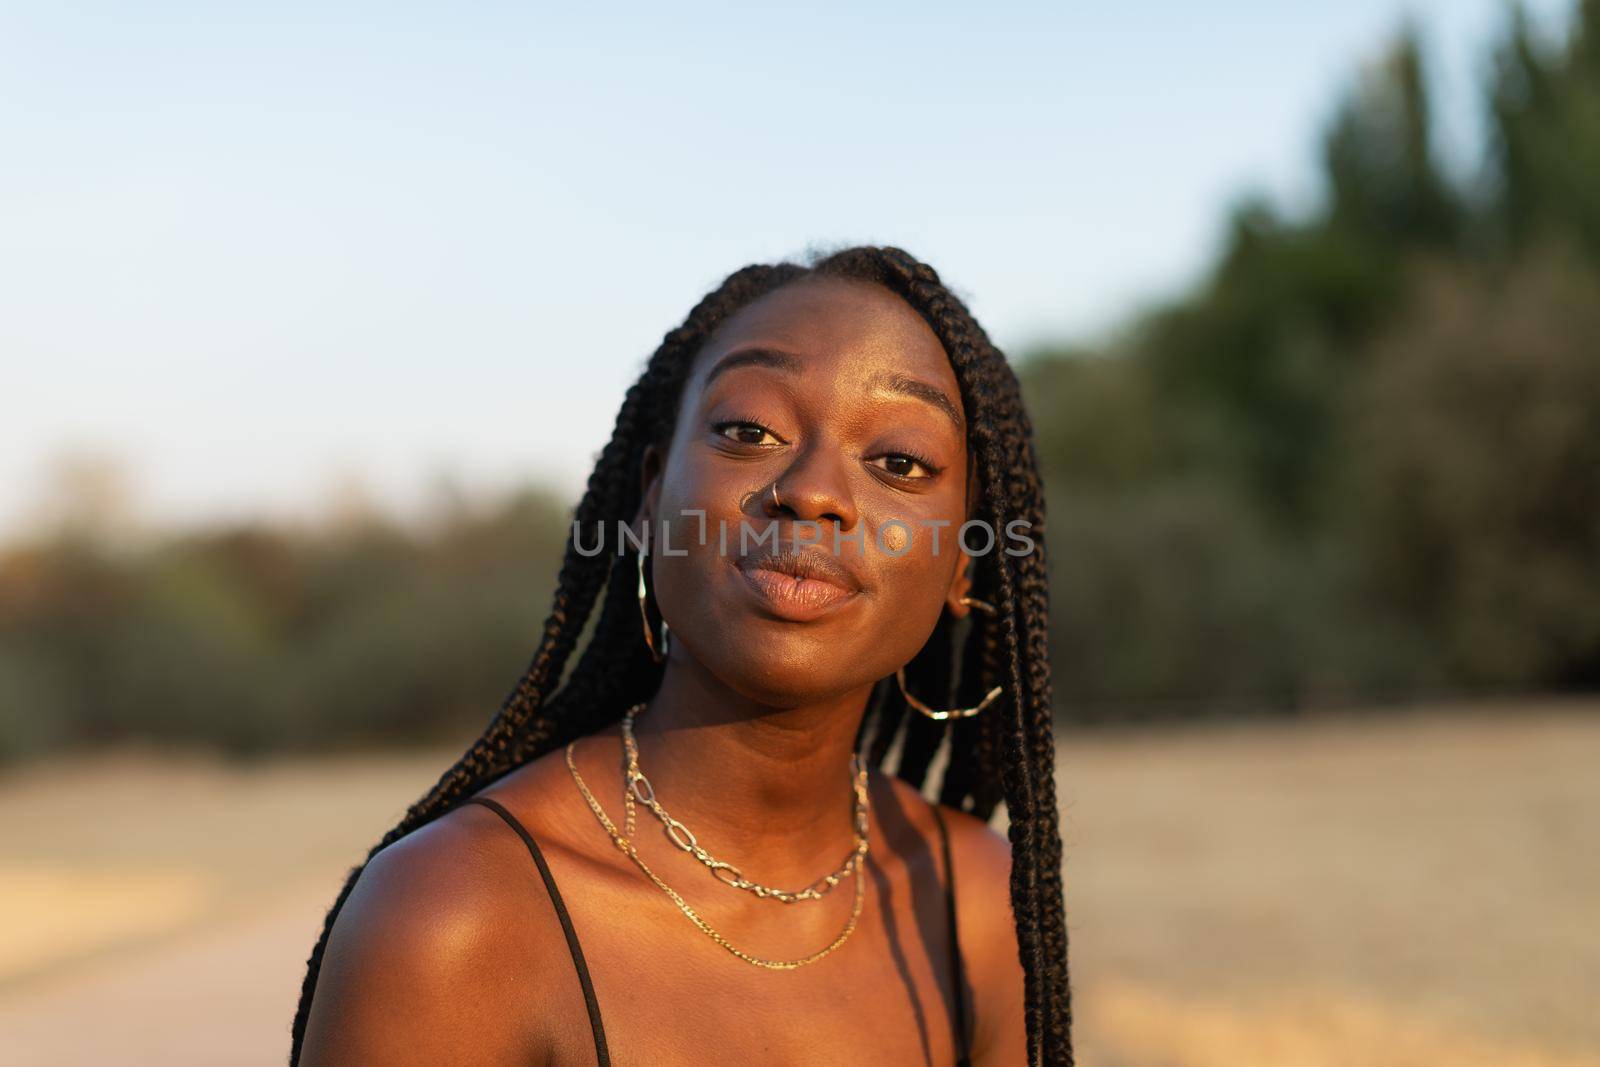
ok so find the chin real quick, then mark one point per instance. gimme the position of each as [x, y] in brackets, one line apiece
[790, 669]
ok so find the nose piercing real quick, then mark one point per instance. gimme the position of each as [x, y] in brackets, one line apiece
[775, 501]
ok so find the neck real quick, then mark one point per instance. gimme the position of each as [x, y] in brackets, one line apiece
[767, 788]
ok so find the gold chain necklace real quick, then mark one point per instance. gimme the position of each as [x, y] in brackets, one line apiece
[637, 786]
[626, 847]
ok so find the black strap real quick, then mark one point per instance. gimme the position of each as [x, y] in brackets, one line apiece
[566, 927]
[957, 971]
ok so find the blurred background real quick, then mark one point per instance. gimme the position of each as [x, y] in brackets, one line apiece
[314, 317]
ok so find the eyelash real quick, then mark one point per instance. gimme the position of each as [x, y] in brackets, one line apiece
[719, 426]
[921, 460]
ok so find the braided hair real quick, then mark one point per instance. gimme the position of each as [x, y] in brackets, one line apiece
[1006, 753]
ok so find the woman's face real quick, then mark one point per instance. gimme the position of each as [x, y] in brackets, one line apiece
[839, 394]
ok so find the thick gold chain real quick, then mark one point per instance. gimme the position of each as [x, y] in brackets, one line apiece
[637, 786]
[626, 847]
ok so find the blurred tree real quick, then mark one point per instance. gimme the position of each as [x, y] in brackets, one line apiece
[1259, 353]
[1104, 426]
[1544, 105]
[1266, 346]
[1473, 480]
[1168, 598]
[251, 637]
[1384, 183]
[1360, 459]
[1305, 453]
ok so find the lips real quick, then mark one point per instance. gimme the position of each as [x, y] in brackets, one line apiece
[799, 586]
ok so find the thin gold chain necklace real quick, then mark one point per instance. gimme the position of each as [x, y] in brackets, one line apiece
[626, 847]
[637, 786]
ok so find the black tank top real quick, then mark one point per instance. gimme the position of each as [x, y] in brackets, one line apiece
[603, 1055]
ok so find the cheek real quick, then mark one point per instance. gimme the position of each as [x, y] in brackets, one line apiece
[911, 587]
[696, 531]
[916, 580]
[691, 485]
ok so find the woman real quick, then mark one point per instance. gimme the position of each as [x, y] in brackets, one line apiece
[816, 533]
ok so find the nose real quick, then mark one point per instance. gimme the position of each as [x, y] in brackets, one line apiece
[816, 488]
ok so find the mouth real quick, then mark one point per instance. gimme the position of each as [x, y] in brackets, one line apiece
[799, 586]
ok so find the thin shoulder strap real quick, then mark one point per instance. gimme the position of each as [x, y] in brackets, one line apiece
[566, 926]
[957, 970]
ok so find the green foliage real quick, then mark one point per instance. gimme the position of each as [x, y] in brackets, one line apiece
[1383, 181]
[253, 638]
[1545, 108]
[1262, 352]
[1162, 592]
[1472, 483]
[1361, 460]
[1097, 420]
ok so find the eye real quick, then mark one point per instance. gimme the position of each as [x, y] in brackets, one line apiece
[745, 432]
[905, 465]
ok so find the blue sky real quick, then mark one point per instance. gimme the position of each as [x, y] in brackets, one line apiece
[255, 251]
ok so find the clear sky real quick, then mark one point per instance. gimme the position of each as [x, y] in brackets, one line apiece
[256, 249]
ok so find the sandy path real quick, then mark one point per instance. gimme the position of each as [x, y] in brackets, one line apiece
[1390, 893]
[221, 995]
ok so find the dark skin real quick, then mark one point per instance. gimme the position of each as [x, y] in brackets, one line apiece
[448, 950]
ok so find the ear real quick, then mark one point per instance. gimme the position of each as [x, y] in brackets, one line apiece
[650, 467]
[960, 585]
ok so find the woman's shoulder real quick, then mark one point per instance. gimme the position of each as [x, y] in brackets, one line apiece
[981, 859]
[980, 854]
[436, 955]
[442, 891]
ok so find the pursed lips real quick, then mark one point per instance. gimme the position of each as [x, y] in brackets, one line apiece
[799, 586]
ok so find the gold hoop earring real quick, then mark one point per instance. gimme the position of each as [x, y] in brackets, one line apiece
[935, 713]
[979, 605]
[644, 615]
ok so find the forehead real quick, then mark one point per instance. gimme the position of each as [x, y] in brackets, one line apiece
[832, 322]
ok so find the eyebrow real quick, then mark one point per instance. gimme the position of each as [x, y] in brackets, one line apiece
[893, 381]
[906, 385]
[754, 357]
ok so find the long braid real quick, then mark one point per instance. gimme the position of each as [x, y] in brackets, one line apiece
[1006, 754]
[1000, 440]
[522, 729]
[1035, 591]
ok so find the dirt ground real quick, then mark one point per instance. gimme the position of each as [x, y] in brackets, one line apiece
[1396, 891]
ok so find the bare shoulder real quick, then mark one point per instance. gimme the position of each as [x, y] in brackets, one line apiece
[435, 957]
[981, 855]
[981, 858]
